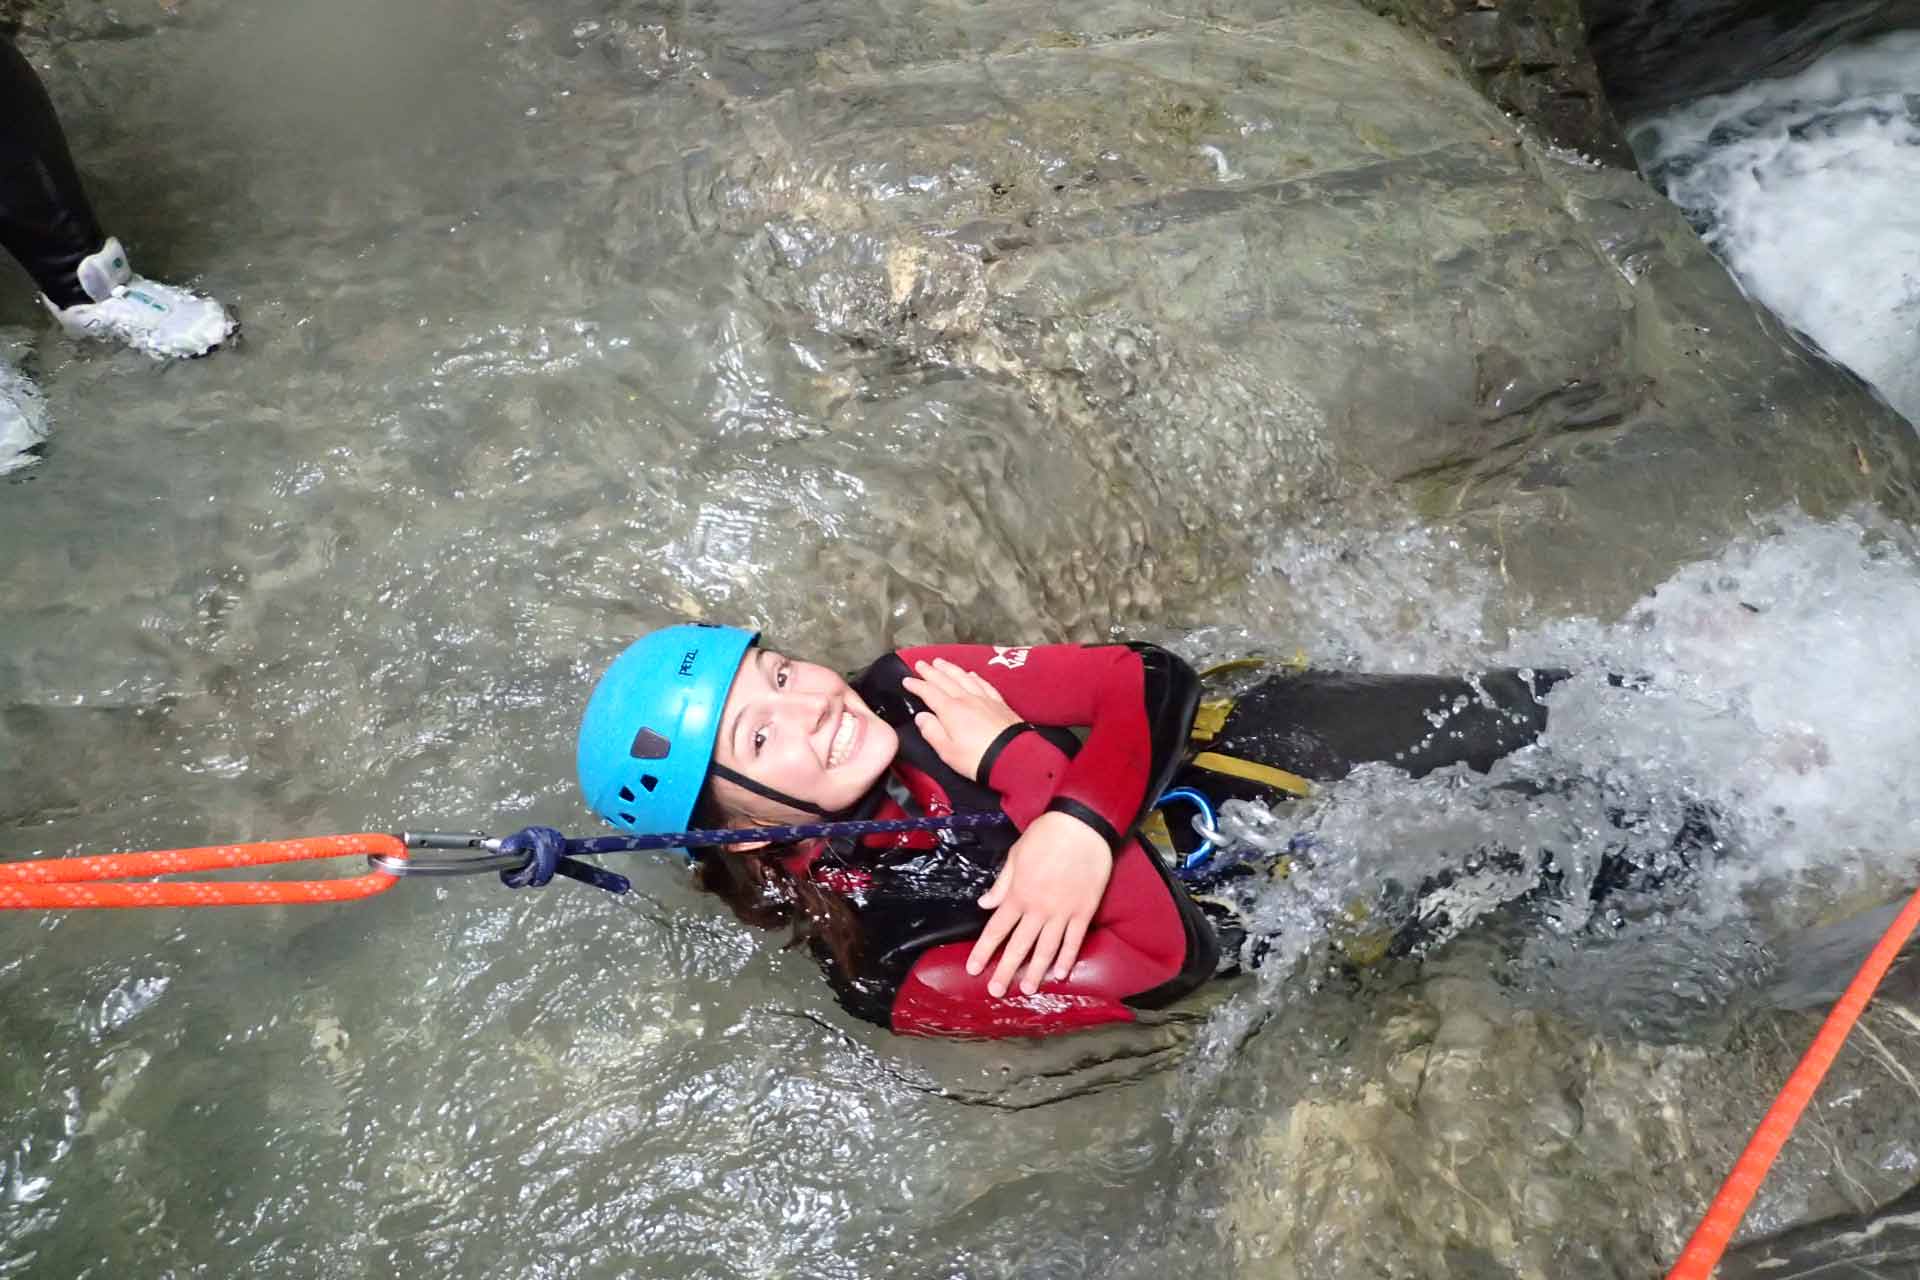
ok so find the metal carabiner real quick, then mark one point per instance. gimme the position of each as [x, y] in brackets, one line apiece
[455, 863]
[1204, 823]
[472, 853]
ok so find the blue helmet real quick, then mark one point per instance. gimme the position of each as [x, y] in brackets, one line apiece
[646, 740]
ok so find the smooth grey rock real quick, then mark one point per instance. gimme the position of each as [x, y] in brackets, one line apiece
[1379, 294]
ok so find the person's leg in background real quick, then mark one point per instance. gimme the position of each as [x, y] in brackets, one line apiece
[45, 220]
[47, 224]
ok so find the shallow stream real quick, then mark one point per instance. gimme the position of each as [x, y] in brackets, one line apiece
[517, 382]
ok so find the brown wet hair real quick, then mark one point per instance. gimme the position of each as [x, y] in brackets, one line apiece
[760, 891]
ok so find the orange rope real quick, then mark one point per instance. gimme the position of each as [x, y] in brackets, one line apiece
[1710, 1238]
[63, 883]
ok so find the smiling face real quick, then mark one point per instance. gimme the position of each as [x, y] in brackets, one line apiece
[800, 729]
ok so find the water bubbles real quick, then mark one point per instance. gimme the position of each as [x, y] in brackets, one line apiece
[1725, 761]
[128, 999]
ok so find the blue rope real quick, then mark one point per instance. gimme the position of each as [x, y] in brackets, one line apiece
[853, 828]
[548, 853]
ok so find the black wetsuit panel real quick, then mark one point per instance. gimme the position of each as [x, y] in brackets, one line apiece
[1323, 724]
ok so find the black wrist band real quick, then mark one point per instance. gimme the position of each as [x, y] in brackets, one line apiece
[1101, 827]
[991, 755]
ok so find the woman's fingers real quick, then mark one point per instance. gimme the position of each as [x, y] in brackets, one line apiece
[1043, 953]
[925, 690]
[999, 925]
[955, 680]
[1069, 948]
[985, 687]
[998, 891]
[938, 675]
[933, 731]
[1017, 949]
[942, 681]
[972, 682]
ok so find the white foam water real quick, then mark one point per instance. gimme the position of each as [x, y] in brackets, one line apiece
[1737, 754]
[23, 419]
[1743, 739]
[1805, 187]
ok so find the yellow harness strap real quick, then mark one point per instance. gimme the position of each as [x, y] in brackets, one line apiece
[1236, 664]
[1211, 718]
[1155, 830]
[1298, 662]
[1264, 774]
[1363, 946]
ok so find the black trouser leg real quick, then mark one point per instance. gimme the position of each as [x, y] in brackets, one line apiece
[45, 220]
[1323, 724]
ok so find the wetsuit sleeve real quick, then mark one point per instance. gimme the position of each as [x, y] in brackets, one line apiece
[1146, 948]
[1135, 700]
[1025, 772]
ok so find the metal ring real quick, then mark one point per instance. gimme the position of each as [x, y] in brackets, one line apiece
[446, 866]
[1205, 824]
[444, 839]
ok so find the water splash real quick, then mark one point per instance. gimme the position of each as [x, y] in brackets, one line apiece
[1729, 758]
[23, 417]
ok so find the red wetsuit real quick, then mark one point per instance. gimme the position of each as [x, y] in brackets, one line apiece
[915, 895]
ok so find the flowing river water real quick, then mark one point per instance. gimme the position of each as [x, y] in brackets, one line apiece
[513, 388]
[1804, 186]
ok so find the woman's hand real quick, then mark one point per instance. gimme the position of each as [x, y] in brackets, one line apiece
[965, 714]
[1043, 901]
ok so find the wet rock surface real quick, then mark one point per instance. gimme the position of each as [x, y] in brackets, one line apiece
[1157, 243]
[1882, 1242]
[1530, 57]
[64, 20]
[1462, 1133]
[1225, 244]
[1211, 271]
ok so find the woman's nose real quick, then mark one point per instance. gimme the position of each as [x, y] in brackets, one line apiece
[808, 710]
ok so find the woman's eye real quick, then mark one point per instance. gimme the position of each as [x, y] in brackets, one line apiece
[759, 740]
[780, 676]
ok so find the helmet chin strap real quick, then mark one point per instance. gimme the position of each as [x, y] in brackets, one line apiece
[765, 792]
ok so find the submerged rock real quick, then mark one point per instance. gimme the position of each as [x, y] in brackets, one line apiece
[1471, 1159]
[1224, 275]
[1883, 1242]
[1461, 1133]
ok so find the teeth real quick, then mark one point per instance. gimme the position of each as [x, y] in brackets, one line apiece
[842, 740]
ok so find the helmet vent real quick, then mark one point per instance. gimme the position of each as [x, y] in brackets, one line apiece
[648, 745]
[626, 793]
[648, 781]
[627, 818]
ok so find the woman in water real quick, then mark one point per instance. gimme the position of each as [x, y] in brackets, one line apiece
[1065, 919]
